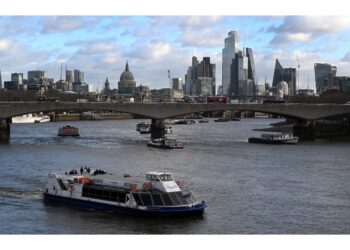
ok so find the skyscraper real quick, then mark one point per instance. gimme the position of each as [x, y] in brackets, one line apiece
[242, 80]
[200, 78]
[287, 75]
[69, 76]
[324, 76]
[79, 76]
[228, 53]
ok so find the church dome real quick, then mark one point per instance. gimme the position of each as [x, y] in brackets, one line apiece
[127, 76]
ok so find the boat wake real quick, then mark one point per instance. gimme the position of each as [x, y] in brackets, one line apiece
[19, 194]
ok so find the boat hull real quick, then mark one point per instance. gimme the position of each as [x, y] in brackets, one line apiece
[265, 141]
[150, 211]
[163, 146]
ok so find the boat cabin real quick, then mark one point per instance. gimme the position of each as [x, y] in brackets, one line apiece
[159, 176]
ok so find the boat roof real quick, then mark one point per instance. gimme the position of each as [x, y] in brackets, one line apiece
[122, 177]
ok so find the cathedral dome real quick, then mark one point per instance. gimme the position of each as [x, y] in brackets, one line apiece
[127, 76]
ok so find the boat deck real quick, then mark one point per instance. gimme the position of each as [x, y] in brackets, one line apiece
[134, 179]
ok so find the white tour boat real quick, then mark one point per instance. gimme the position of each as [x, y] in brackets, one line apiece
[156, 194]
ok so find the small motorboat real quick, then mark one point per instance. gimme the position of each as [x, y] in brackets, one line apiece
[145, 129]
[275, 139]
[68, 130]
[165, 143]
[141, 124]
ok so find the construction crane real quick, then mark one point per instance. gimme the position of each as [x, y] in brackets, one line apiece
[169, 77]
[298, 72]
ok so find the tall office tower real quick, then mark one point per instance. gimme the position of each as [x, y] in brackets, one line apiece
[191, 76]
[188, 81]
[239, 75]
[177, 83]
[208, 70]
[79, 76]
[287, 75]
[324, 76]
[251, 68]
[228, 53]
[17, 78]
[200, 78]
[69, 76]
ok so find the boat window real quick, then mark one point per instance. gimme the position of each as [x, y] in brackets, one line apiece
[104, 194]
[157, 200]
[167, 200]
[146, 199]
[137, 199]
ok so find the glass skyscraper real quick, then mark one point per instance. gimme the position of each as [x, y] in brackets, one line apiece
[228, 54]
[324, 75]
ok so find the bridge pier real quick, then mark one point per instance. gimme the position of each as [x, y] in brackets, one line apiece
[157, 128]
[5, 129]
[305, 130]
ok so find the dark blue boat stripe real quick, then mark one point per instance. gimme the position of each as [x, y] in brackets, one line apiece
[199, 208]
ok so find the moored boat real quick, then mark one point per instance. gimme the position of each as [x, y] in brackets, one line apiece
[145, 129]
[275, 139]
[221, 120]
[156, 195]
[186, 122]
[165, 143]
[138, 126]
[68, 130]
[31, 118]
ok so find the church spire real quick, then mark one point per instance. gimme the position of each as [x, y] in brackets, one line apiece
[127, 66]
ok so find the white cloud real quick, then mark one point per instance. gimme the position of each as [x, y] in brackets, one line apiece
[206, 37]
[65, 23]
[306, 28]
[200, 21]
[5, 45]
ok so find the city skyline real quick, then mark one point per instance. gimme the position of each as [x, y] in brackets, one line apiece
[100, 45]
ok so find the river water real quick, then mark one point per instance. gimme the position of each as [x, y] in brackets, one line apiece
[249, 188]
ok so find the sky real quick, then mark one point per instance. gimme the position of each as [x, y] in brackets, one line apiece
[101, 45]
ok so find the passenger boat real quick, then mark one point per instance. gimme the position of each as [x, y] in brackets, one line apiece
[155, 194]
[30, 118]
[68, 130]
[138, 126]
[145, 129]
[186, 122]
[275, 139]
[165, 143]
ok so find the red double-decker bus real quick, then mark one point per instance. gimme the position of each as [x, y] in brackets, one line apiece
[211, 99]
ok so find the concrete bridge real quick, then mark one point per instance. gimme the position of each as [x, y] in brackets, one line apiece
[160, 111]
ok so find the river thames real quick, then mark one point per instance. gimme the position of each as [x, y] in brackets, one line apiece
[249, 188]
